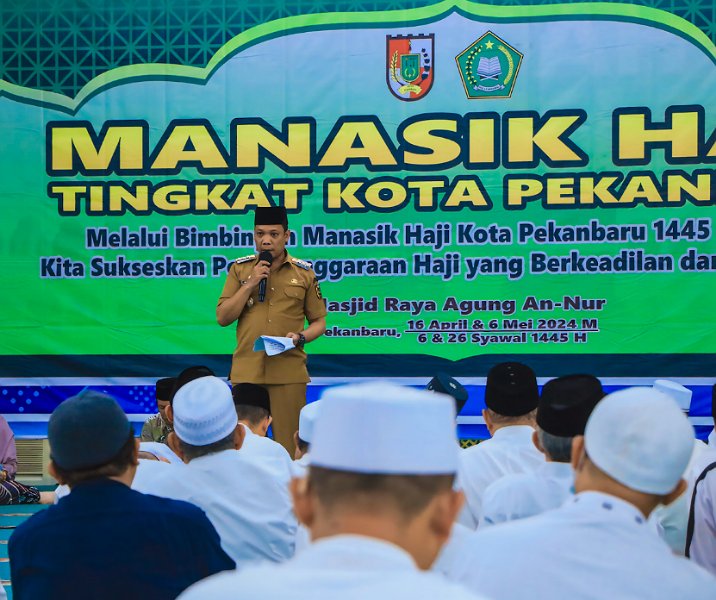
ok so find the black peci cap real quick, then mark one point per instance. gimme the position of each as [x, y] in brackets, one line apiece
[566, 403]
[511, 389]
[164, 388]
[271, 215]
[250, 394]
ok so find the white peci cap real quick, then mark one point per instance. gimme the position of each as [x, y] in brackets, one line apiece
[307, 421]
[383, 428]
[639, 437]
[204, 411]
[674, 390]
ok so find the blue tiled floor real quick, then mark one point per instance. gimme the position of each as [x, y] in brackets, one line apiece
[12, 516]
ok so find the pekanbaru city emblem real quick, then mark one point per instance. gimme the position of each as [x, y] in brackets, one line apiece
[410, 65]
[488, 67]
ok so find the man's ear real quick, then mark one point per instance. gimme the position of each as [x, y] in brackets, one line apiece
[675, 493]
[446, 515]
[488, 420]
[169, 412]
[577, 453]
[535, 441]
[439, 518]
[267, 424]
[52, 470]
[239, 437]
[303, 503]
[297, 454]
[173, 443]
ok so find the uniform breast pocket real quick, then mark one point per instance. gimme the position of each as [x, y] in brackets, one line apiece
[296, 293]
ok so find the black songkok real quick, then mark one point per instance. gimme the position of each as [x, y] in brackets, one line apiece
[190, 374]
[566, 403]
[272, 215]
[165, 388]
[511, 389]
[250, 394]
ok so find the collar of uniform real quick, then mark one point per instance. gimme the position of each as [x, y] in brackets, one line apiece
[513, 432]
[286, 259]
[712, 438]
[356, 553]
[608, 505]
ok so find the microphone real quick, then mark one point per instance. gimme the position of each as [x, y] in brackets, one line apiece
[265, 255]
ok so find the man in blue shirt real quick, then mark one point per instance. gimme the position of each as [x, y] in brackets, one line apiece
[105, 540]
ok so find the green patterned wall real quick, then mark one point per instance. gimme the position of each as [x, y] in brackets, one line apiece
[60, 45]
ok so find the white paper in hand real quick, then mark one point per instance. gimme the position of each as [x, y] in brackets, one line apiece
[273, 345]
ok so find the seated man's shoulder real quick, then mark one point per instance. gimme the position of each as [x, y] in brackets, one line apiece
[169, 506]
[258, 581]
[275, 448]
[37, 523]
[696, 576]
[509, 482]
[429, 584]
[264, 581]
[176, 514]
[478, 451]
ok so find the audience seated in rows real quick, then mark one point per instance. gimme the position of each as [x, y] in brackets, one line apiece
[374, 484]
[564, 407]
[599, 544]
[105, 540]
[249, 506]
[378, 500]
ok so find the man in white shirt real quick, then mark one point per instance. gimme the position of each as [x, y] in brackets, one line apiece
[248, 506]
[701, 535]
[511, 397]
[378, 499]
[599, 545]
[564, 407]
[253, 409]
[671, 521]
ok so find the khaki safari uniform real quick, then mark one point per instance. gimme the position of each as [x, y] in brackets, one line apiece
[156, 430]
[292, 296]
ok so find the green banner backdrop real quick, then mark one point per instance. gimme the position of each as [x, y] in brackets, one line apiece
[468, 181]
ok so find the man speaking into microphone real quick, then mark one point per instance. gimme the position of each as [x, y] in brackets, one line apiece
[273, 294]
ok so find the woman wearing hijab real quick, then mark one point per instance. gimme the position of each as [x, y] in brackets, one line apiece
[11, 491]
